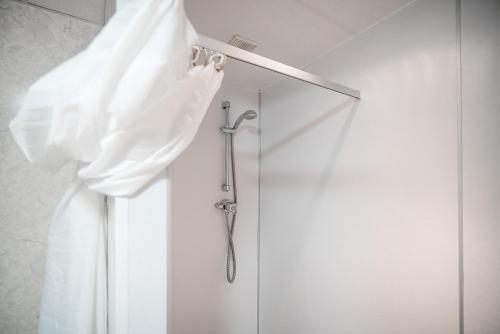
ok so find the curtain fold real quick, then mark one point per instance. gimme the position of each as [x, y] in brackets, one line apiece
[124, 108]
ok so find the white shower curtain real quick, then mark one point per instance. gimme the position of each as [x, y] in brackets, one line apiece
[124, 109]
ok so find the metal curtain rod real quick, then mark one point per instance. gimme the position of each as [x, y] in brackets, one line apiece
[272, 65]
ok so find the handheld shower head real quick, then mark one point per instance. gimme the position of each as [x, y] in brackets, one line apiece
[249, 114]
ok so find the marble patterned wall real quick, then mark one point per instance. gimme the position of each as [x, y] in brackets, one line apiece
[90, 10]
[32, 41]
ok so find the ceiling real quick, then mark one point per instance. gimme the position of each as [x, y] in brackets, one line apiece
[294, 32]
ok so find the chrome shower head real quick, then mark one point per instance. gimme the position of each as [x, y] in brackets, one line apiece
[249, 114]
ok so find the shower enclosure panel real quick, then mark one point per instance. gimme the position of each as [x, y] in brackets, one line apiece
[199, 282]
[359, 200]
[139, 253]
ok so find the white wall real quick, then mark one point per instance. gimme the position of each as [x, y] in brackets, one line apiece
[32, 41]
[481, 164]
[203, 302]
[359, 201]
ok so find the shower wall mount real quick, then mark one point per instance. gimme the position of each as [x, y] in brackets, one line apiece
[230, 206]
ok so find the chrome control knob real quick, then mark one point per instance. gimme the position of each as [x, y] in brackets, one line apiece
[227, 206]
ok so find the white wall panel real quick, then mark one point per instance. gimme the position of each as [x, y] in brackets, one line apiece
[203, 302]
[481, 164]
[359, 200]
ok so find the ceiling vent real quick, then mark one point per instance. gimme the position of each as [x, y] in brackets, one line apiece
[243, 43]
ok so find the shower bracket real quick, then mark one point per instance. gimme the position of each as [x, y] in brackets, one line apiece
[227, 130]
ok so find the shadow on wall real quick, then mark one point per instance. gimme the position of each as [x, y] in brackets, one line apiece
[306, 196]
[297, 133]
[350, 106]
[323, 179]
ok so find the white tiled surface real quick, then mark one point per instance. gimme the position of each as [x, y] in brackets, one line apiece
[32, 41]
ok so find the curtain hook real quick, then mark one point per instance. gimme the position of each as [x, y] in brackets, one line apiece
[196, 51]
[219, 64]
[207, 54]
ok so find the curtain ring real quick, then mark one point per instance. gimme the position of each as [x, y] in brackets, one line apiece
[219, 63]
[196, 51]
[207, 55]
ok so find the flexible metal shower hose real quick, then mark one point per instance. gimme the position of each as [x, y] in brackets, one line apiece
[231, 255]
[230, 223]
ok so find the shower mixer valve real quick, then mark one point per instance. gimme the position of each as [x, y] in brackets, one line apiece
[227, 206]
